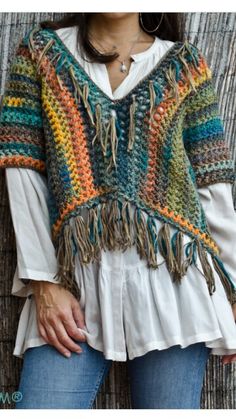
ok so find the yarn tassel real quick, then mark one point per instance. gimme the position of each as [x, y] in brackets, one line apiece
[78, 91]
[86, 101]
[152, 98]
[178, 252]
[92, 227]
[152, 243]
[227, 282]
[111, 233]
[45, 49]
[181, 54]
[105, 142]
[126, 225]
[191, 253]
[31, 44]
[171, 78]
[132, 124]
[165, 247]
[111, 128]
[113, 225]
[207, 270]
[84, 94]
[59, 82]
[188, 73]
[140, 233]
[99, 130]
[86, 248]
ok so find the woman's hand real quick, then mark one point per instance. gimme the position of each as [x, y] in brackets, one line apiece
[58, 316]
[230, 358]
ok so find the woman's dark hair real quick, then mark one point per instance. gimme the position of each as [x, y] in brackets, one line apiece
[170, 29]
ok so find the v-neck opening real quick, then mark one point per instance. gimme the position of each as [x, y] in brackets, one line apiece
[81, 68]
[135, 59]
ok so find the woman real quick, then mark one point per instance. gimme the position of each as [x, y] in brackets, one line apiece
[69, 333]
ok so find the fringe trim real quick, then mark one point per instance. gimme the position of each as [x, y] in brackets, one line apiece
[99, 127]
[173, 72]
[207, 270]
[112, 227]
[84, 94]
[31, 43]
[152, 98]
[185, 48]
[171, 78]
[35, 51]
[85, 98]
[156, 97]
[111, 133]
[41, 56]
[132, 110]
[78, 91]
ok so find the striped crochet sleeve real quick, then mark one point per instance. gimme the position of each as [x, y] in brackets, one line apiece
[203, 131]
[21, 124]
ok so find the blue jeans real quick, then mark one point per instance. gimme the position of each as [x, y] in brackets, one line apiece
[161, 379]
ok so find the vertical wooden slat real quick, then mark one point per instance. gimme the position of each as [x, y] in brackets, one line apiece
[215, 35]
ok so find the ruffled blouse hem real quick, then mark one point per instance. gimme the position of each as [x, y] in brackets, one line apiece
[216, 337]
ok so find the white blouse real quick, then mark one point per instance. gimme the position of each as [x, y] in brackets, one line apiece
[129, 309]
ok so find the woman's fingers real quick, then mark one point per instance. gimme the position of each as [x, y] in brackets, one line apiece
[64, 339]
[65, 329]
[53, 340]
[72, 329]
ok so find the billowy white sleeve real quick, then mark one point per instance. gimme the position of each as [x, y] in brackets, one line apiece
[36, 257]
[217, 202]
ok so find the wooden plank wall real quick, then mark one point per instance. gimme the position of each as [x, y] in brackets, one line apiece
[215, 34]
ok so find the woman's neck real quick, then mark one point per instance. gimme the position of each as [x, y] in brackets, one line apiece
[116, 28]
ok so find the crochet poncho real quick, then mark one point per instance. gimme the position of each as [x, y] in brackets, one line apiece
[152, 149]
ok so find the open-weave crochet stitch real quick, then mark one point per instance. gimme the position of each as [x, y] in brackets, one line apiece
[152, 148]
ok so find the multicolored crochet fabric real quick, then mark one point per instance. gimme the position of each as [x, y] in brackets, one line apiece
[152, 148]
